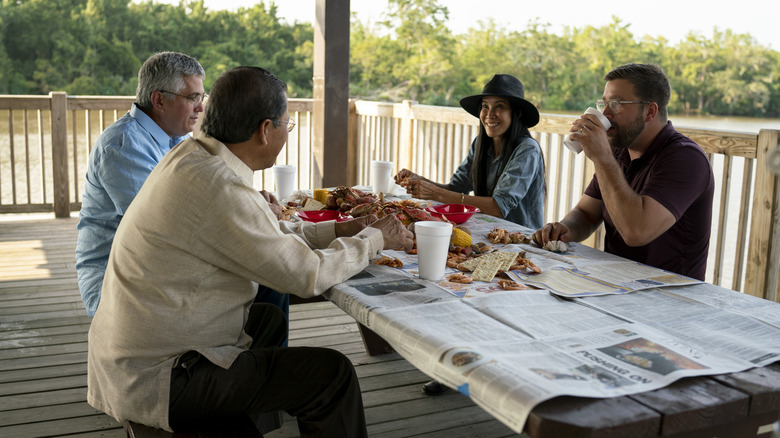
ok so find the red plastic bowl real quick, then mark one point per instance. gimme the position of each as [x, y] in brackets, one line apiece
[323, 215]
[455, 213]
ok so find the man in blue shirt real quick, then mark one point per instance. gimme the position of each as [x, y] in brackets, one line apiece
[169, 99]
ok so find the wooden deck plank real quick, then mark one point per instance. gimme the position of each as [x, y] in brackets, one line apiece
[36, 375]
[63, 427]
[34, 324]
[43, 352]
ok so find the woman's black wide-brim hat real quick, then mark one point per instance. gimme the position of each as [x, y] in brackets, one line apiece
[505, 86]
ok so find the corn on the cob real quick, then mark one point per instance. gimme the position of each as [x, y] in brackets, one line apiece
[320, 195]
[460, 238]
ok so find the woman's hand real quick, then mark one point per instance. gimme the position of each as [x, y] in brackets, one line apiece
[422, 189]
[403, 177]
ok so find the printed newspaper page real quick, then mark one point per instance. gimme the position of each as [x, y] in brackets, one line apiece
[509, 350]
[499, 351]
[380, 286]
[580, 271]
[601, 279]
[718, 330]
[744, 304]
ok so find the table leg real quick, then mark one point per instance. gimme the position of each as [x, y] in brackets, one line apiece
[373, 342]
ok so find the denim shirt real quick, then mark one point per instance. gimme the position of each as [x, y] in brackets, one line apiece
[123, 156]
[519, 191]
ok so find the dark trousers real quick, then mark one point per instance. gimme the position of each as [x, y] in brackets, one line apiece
[267, 295]
[318, 386]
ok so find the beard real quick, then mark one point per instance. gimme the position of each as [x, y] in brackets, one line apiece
[623, 136]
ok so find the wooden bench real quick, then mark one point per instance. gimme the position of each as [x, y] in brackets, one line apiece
[236, 428]
[239, 428]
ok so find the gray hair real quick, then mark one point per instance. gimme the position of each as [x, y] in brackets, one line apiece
[165, 71]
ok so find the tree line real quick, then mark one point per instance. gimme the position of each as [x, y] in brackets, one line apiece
[95, 47]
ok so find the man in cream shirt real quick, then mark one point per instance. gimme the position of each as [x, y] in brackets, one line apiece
[176, 338]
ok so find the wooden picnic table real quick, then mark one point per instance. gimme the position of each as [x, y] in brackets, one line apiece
[738, 404]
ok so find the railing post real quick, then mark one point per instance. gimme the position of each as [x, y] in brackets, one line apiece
[352, 145]
[406, 136]
[761, 278]
[59, 153]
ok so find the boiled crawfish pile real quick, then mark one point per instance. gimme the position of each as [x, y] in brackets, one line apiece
[357, 203]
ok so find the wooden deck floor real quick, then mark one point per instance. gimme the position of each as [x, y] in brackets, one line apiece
[43, 352]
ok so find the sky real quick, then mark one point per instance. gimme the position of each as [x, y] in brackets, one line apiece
[670, 19]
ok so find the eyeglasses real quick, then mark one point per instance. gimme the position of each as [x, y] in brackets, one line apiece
[289, 122]
[194, 99]
[614, 104]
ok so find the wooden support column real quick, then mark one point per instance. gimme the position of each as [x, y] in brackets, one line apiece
[761, 278]
[332, 161]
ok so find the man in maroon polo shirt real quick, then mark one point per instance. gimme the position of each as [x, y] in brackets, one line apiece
[653, 186]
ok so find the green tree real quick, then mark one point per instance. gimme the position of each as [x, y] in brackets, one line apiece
[427, 49]
[95, 47]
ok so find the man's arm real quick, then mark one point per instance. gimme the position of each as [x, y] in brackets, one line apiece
[639, 219]
[579, 223]
[123, 170]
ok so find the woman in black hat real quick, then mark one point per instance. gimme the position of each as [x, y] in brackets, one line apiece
[504, 167]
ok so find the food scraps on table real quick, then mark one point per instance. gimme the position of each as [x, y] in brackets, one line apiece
[556, 246]
[500, 235]
[486, 267]
[459, 278]
[392, 262]
[287, 212]
[521, 263]
[357, 203]
[311, 204]
[510, 285]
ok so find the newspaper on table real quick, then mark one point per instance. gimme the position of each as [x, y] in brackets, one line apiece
[510, 350]
[581, 271]
[603, 279]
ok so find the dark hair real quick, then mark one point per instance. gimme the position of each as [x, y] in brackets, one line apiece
[240, 100]
[650, 83]
[483, 150]
[165, 71]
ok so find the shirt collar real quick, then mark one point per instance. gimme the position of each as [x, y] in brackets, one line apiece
[659, 141]
[153, 128]
[215, 147]
[656, 145]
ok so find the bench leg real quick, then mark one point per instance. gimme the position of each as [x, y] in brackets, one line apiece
[374, 343]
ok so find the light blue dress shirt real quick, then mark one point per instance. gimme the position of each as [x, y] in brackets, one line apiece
[123, 156]
[519, 191]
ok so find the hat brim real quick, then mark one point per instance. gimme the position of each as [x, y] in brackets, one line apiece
[530, 115]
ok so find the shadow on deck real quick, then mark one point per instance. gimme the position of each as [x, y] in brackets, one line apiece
[43, 352]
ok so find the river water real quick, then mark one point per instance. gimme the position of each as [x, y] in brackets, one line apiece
[740, 124]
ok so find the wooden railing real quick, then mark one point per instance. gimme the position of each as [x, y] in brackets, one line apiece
[38, 161]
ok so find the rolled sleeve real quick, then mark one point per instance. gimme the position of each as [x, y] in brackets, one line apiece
[461, 178]
[519, 192]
